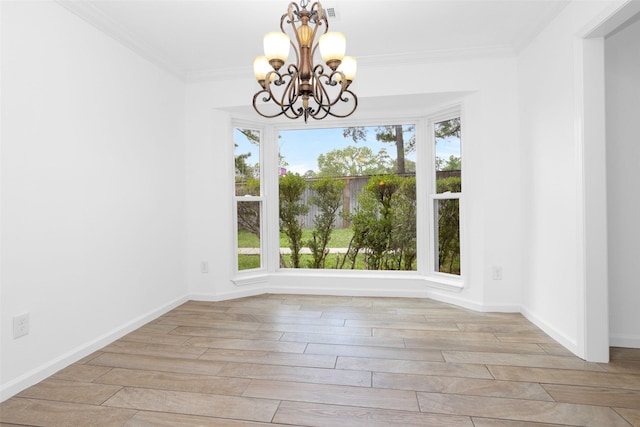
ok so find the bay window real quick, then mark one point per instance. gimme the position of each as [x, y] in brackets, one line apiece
[347, 199]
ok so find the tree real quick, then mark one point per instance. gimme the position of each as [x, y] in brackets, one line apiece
[353, 161]
[454, 163]
[409, 166]
[395, 135]
[390, 134]
[292, 187]
[357, 133]
[247, 183]
[404, 233]
[328, 199]
[244, 170]
[449, 227]
[447, 128]
[253, 136]
[443, 130]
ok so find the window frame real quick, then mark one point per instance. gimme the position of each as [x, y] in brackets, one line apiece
[432, 120]
[261, 199]
[425, 182]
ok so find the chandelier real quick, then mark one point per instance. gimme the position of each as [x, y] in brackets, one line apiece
[303, 88]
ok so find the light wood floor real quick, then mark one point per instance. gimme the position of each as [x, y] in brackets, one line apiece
[334, 361]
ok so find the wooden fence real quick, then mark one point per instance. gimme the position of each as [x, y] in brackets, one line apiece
[353, 186]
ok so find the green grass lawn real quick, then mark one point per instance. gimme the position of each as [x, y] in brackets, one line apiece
[339, 238]
[248, 262]
[332, 262]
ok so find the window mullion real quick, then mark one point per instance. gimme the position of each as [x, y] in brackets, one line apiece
[424, 184]
[270, 176]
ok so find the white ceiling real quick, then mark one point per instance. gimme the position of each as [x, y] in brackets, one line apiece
[207, 39]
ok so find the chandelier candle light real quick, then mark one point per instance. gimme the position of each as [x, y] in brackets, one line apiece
[303, 88]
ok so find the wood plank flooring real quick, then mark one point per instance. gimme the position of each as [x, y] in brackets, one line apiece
[283, 360]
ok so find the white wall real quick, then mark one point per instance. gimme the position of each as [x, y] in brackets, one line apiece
[558, 167]
[487, 91]
[107, 208]
[93, 190]
[622, 68]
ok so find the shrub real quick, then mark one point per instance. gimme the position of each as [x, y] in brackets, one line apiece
[292, 187]
[384, 223]
[328, 199]
[449, 227]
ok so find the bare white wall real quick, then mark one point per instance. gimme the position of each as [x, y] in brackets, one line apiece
[492, 181]
[557, 169]
[622, 70]
[93, 190]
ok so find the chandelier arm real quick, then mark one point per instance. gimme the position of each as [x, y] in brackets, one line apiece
[343, 88]
[294, 28]
[285, 100]
[289, 93]
[345, 99]
[319, 22]
[279, 81]
[317, 6]
[312, 110]
[322, 93]
[319, 89]
[291, 13]
[265, 100]
[322, 111]
[292, 93]
[330, 82]
[270, 96]
[316, 24]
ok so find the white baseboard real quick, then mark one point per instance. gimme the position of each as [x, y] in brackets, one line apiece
[355, 292]
[565, 341]
[456, 299]
[445, 297]
[225, 296]
[286, 290]
[38, 374]
[624, 340]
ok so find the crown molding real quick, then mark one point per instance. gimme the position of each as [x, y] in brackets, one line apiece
[94, 16]
[434, 56]
[113, 29]
[409, 58]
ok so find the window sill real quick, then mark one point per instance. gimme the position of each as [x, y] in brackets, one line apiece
[261, 278]
[441, 282]
[445, 283]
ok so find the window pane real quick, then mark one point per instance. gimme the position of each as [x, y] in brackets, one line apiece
[247, 161]
[348, 198]
[447, 236]
[248, 235]
[448, 159]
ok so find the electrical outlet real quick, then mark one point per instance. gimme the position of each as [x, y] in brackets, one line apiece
[21, 325]
[497, 272]
[204, 267]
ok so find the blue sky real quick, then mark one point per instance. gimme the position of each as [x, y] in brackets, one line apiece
[302, 147]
